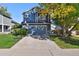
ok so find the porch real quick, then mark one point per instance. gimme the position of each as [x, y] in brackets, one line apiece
[4, 29]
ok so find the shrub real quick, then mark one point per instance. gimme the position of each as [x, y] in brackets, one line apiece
[23, 31]
[20, 31]
[15, 32]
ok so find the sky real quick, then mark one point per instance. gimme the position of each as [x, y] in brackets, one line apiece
[16, 9]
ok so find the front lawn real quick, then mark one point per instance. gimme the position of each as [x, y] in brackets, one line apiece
[8, 40]
[73, 42]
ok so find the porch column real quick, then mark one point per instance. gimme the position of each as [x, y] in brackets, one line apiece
[2, 24]
[2, 28]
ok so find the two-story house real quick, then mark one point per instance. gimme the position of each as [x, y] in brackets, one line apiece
[36, 23]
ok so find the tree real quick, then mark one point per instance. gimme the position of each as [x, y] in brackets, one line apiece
[17, 25]
[4, 12]
[64, 14]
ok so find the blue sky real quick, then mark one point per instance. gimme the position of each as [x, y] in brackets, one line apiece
[16, 9]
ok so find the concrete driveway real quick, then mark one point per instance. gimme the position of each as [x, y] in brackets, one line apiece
[29, 46]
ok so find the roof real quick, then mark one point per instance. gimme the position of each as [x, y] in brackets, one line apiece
[14, 22]
[38, 9]
[6, 16]
[31, 9]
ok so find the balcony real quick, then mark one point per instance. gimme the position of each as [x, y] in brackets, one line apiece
[37, 20]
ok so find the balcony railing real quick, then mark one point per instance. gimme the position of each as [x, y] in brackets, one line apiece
[37, 20]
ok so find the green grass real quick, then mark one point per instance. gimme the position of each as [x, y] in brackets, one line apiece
[72, 42]
[8, 40]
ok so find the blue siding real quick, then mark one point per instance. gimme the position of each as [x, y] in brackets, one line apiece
[37, 29]
[34, 17]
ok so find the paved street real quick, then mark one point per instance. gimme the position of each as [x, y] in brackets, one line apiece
[29, 46]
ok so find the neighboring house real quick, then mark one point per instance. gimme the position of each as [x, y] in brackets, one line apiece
[75, 32]
[36, 24]
[5, 24]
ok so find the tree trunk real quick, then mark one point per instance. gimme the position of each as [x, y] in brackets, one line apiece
[73, 27]
[65, 32]
[69, 32]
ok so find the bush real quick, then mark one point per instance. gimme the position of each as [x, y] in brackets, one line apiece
[23, 31]
[20, 31]
[15, 32]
